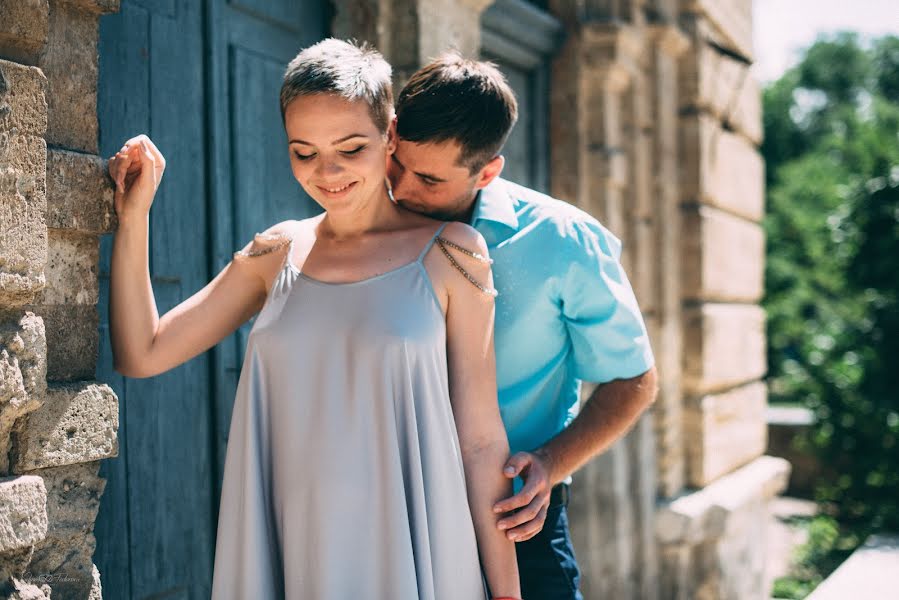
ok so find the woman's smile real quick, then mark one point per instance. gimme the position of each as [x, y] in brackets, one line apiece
[336, 191]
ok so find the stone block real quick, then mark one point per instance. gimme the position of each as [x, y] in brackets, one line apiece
[723, 256]
[71, 271]
[64, 556]
[72, 340]
[868, 573]
[23, 29]
[77, 422]
[716, 83]
[720, 168]
[71, 65]
[100, 7]
[731, 18]
[724, 346]
[23, 374]
[79, 193]
[641, 261]
[23, 512]
[23, 97]
[23, 237]
[724, 431]
[446, 24]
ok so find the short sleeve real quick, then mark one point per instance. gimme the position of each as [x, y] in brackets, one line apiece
[608, 335]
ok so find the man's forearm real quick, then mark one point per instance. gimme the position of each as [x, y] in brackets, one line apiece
[606, 416]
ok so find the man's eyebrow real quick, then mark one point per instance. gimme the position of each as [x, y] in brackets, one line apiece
[343, 139]
[419, 173]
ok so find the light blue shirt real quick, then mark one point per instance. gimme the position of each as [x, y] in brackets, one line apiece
[565, 313]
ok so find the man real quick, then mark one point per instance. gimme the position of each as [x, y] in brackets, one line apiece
[565, 313]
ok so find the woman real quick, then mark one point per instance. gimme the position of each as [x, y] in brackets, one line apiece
[366, 421]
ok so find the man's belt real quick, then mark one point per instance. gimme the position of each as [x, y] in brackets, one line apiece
[559, 495]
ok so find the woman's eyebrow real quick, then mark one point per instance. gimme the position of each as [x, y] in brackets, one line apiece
[341, 140]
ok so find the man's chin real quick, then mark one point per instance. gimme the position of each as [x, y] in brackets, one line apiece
[424, 210]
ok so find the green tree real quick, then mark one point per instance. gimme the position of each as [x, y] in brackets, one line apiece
[832, 295]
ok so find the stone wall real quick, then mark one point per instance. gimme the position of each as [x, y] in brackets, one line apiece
[56, 423]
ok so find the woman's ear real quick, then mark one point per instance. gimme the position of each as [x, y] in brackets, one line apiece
[391, 136]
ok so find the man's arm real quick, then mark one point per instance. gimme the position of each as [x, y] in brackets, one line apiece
[607, 415]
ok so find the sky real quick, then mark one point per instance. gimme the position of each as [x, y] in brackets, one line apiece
[781, 27]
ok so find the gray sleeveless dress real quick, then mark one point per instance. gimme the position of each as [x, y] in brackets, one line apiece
[343, 473]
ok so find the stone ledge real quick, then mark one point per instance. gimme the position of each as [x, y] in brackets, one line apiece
[23, 512]
[702, 515]
[868, 573]
[79, 192]
[77, 422]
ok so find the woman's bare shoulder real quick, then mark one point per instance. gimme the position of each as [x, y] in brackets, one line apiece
[277, 236]
[462, 262]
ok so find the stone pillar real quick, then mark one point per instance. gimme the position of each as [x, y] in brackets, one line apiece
[712, 536]
[668, 43]
[55, 202]
[601, 160]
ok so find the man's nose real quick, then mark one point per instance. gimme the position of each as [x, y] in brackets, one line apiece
[398, 179]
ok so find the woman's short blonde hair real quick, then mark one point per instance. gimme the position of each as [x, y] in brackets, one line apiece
[352, 71]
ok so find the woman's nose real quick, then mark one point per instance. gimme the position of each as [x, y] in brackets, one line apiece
[329, 167]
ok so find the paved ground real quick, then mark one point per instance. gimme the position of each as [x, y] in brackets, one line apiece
[782, 537]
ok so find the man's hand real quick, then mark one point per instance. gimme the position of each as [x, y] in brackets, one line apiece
[532, 500]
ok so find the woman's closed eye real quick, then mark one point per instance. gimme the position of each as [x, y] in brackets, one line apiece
[344, 152]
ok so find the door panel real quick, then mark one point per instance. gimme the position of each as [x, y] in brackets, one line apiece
[155, 525]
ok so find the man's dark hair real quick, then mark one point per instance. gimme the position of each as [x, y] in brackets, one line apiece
[354, 72]
[453, 98]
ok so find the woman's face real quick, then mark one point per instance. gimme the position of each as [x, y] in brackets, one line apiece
[337, 152]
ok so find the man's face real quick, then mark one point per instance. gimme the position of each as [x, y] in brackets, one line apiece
[427, 178]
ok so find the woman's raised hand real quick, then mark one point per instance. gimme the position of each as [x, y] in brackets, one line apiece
[136, 170]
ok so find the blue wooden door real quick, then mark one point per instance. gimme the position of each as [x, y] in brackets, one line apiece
[201, 79]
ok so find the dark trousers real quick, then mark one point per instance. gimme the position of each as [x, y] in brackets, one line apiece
[547, 566]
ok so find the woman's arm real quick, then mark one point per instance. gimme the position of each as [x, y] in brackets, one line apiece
[143, 344]
[472, 371]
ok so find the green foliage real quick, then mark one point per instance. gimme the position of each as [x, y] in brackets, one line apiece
[827, 546]
[832, 275]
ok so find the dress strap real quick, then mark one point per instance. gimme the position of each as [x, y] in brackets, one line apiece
[283, 240]
[442, 242]
[431, 241]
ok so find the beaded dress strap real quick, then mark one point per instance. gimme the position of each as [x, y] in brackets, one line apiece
[442, 242]
[431, 241]
[285, 240]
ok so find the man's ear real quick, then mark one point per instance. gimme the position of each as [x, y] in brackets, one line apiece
[490, 171]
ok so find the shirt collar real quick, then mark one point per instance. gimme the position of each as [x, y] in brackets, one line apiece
[494, 203]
